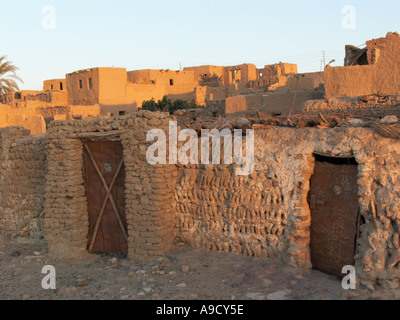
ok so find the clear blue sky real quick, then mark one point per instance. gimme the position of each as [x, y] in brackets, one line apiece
[160, 34]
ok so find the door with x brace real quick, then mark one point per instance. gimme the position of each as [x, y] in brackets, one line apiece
[105, 191]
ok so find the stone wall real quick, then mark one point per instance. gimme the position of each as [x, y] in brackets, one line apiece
[303, 81]
[23, 172]
[54, 84]
[271, 103]
[219, 211]
[35, 115]
[372, 106]
[148, 188]
[381, 76]
[267, 213]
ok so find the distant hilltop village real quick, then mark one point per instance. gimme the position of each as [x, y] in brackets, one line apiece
[117, 90]
[276, 89]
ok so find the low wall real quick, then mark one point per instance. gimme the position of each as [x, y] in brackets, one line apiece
[375, 107]
[148, 188]
[22, 185]
[267, 213]
[35, 123]
[379, 77]
[271, 103]
[302, 81]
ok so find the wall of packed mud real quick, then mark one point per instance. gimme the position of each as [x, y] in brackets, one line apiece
[264, 214]
[267, 213]
[22, 183]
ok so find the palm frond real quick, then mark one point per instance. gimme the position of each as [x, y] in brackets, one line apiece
[8, 76]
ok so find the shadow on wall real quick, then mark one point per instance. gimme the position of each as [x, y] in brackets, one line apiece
[119, 109]
[188, 96]
[272, 103]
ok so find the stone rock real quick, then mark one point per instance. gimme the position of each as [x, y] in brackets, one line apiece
[159, 259]
[355, 122]
[389, 119]
[62, 289]
[140, 272]
[71, 290]
[255, 295]
[243, 123]
[147, 289]
[125, 263]
[141, 294]
[114, 261]
[185, 269]
[124, 297]
[81, 283]
[279, 295]
[16, 253]
[181, 285]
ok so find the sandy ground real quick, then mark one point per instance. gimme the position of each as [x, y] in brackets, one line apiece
[184, 274]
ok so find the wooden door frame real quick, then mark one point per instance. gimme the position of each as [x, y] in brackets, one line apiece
[359, 216]
[108, 136]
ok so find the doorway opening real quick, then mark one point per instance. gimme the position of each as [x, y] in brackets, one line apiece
[335, 217]
[105, 192]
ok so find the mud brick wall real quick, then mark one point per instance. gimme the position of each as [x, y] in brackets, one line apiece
[23, 172]
[148, 188]
[218, 210]
[149, 197]
[378, 77]
[267, 213]
[354, 106]
[66, 218]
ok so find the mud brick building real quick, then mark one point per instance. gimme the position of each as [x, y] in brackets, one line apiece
[373, 70]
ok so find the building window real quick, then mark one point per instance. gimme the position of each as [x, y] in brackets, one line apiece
[122, 113]
[171, 82]
[80, 84]
[90, 84]
[51, 87]
[61, 86]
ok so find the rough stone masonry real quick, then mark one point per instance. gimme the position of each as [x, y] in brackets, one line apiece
[265, 214]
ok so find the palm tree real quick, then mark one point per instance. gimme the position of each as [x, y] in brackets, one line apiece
[8, 77]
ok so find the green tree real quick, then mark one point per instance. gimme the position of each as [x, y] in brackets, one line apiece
[166, 105]
[8, 77]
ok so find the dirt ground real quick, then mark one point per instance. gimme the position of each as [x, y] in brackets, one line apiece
[184, 274]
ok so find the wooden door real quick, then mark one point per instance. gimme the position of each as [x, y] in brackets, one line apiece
[105, 190]
[334, 214]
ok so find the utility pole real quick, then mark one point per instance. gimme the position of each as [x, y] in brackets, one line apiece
[323, 61]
